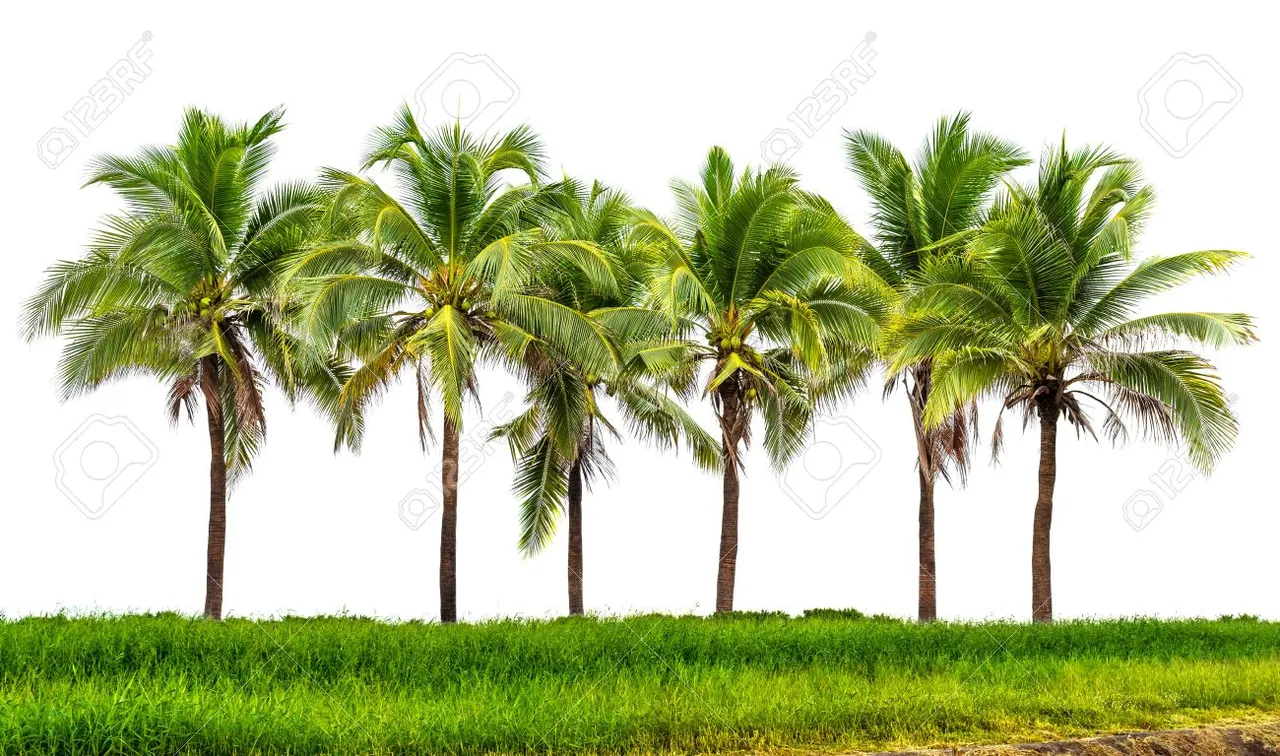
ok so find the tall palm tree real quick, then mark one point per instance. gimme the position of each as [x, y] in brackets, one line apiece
[1042, 313]
[182, 286]
[922, 210]
[768, 275]
[437, 282]
[559, 440]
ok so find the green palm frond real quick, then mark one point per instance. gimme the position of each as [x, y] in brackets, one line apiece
[787, 408]
[896, 201]
[655, 417]
[1152, 276]
[448, 344]
[118, 344]
[961, 376]
[1184, 383]
[541, 483]
[569, 330]
[1212, 329]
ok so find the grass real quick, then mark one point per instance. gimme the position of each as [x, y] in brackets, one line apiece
[829, 681]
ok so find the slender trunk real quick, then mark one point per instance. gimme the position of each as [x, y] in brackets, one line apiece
[217, 549]
[928, 474]
[575, 538]
[449, 524]
[1041, 583]
[730, 434]
[928, 566]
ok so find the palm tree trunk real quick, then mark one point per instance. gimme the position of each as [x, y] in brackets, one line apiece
[928, 566]
[1041, 583]
[730, 434]
[575, 538]
[449, 524]
[922, 379]
[217, 548]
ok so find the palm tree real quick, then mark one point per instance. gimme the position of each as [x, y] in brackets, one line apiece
[766, 273]
[436, 283]
[1041, 313]
[922, 210]
[559, 440]
[182, 286]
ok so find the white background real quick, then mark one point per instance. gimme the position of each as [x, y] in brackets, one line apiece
[634, 95]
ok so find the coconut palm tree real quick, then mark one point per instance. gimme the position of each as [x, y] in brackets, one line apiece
[440, 280]
[921, 210]
[182, 286]
[559, 440]
[1042, 312]
[767, 275]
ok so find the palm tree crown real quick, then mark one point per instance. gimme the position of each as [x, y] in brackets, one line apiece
[1047, 302]
[436, 280]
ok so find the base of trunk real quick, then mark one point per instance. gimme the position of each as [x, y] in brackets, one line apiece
[726, 573]
[575, 539]
[1041, 563]
[217, 543]
[449, 524]
[733, 419]
[928, 603]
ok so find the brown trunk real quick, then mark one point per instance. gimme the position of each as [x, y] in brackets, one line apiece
[449, 524]
[217, 549]
[730, 435]
[928, 566]
[928, 474]
[1041, 583]
[575, 538]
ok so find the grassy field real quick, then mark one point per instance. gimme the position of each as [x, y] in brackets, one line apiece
[829, 681]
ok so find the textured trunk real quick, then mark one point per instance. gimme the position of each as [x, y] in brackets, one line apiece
[449, 524]
[575, 538]
[730, 435]
[217, 549]
[1041, 582]
[928, 566]
[928, 475]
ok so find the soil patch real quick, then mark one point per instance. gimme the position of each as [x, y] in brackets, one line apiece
[1252, 740]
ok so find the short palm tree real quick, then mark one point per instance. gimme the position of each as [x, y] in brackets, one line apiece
[922, 210]
[761, 282]
[1042, 313]
[559, 440]
[436, 283]
[182, 286]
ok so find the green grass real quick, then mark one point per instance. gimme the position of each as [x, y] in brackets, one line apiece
[829, 681]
